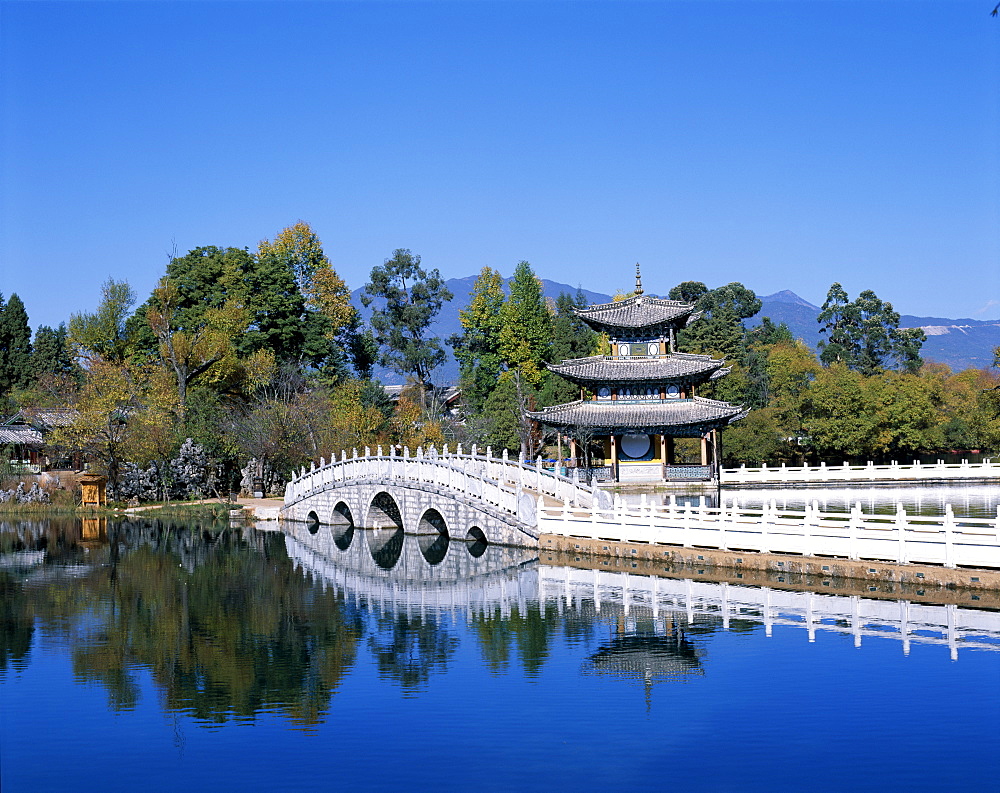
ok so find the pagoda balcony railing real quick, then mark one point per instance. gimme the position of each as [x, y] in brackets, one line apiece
[633, 400]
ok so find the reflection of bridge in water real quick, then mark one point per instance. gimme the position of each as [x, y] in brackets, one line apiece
[395, 572]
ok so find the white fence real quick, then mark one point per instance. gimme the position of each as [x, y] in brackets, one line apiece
[861, 473]
[510, 485]
[899, 538]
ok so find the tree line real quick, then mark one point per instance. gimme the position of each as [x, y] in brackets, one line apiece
[242, 365]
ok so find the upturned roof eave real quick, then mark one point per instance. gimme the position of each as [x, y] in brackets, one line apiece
[623, 371]
[720, 414]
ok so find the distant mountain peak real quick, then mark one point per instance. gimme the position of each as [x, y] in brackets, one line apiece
[787, 296]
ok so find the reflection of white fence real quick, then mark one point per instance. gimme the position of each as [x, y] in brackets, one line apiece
[899, 538]
[893, 472]
[498, 481]
[854, 616]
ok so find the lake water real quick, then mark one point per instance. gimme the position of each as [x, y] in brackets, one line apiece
[155, 656]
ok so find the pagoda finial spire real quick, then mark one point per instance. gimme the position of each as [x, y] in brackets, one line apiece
[638, 280]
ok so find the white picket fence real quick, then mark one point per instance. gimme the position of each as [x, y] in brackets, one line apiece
[869, 472]
[899, 538]
[502, 482]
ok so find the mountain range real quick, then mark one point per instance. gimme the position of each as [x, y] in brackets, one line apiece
[959, 343]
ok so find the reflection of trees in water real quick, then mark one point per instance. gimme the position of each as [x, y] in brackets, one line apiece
[16, 624]
[225, 629]
[410, 649]
[530, 632]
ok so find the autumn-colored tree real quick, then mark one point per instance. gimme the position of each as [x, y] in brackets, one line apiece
[477, 348]
[111, 395]
[190, 350]
[329, 323]
[971, 415]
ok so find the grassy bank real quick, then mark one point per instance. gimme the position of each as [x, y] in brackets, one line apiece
[178, 510]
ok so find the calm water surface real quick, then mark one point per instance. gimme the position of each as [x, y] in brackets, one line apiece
[152, 656]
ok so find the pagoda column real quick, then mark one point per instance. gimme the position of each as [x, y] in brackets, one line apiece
[614, 457]
[704, 450]
[716, 452]
[572, 450]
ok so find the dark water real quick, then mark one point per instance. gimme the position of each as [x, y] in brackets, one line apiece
[148, 656]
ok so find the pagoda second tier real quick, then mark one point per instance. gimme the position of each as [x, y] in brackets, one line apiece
[675, 368]
[678, 418]
[640, 315]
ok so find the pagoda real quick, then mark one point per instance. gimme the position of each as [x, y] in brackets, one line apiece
[637, 400]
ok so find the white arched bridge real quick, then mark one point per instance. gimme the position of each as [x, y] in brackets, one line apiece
[467, 496]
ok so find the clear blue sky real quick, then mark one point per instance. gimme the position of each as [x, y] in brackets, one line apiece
[782, 144]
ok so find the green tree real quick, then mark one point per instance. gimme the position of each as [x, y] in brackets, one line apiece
[865, 334]
[720, 329]
[526, 326]
[757, 345]
[406, 299]
[571, 338]
[329, 324]
[839, 420]
[51, 352]
[16, 370]
[105, 334]
[190, 346]
[477, 348]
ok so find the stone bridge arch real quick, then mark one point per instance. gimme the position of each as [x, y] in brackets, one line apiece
[372, 505]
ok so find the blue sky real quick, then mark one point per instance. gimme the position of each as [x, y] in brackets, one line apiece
[782, 144]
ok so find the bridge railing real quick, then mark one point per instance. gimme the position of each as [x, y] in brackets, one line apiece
[498, 481]
[899, 538]
[847, 472]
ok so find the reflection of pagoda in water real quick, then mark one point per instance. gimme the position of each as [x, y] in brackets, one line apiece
[647, 658]
[643, 392]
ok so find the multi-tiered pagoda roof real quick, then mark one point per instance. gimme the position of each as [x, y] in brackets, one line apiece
[671, 368]
[638, 315]
[679, 418]
[643, 386]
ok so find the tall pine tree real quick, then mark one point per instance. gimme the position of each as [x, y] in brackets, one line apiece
[15, 346]
[51, 353]
[526, 326]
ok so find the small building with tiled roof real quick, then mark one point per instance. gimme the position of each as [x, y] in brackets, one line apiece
[642, 395]
[25, 433]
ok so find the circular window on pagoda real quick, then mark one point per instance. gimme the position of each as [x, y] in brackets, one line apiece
[635, 445]
[673, 392]
[654, 348]
[604, 393]
[623, 349]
